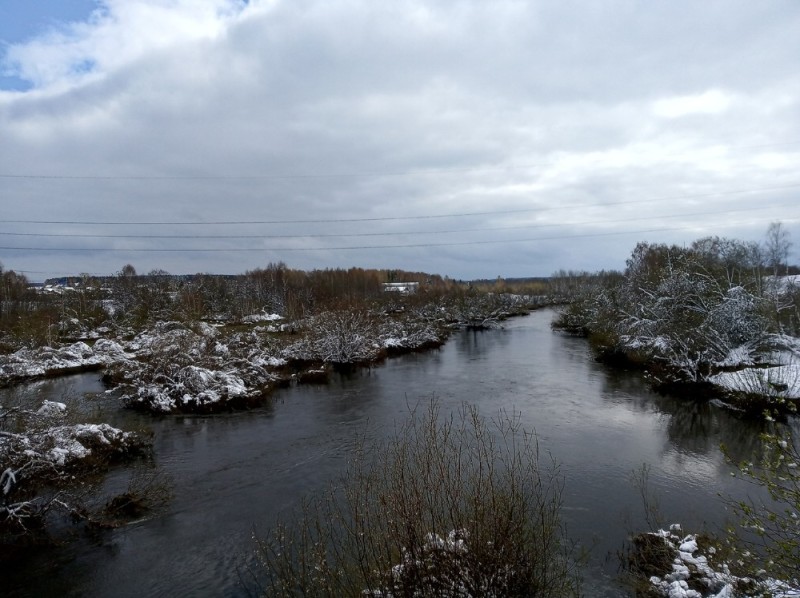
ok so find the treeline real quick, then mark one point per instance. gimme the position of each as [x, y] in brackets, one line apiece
[274, 289]
[24, 315]
[684, 312]
[33, 317]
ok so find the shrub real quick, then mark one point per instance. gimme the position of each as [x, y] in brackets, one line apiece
[769, 533]
[447, 507]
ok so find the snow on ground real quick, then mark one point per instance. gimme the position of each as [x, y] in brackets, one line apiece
[393, 342]
[33, 363]
[658, 344]
[52, 409]
[267, 361]
[768, 367]
[740, 356]
[692, 570]
[780, 381]
[263, 317]
[61, 445]
[190, 387]
[163, 337]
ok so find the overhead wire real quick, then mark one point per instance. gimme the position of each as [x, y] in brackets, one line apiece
[417, 217]
[343, 248]
[407, 217]
[388, 233]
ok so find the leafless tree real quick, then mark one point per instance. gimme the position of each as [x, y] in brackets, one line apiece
[777, 246]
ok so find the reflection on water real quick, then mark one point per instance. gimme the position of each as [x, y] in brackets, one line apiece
[233, 472]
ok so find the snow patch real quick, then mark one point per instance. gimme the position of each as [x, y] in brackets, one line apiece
[781, 381]
[263, 317]
[690, 565]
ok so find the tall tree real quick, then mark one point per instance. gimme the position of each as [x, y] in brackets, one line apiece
[777, 247]
[127, 271]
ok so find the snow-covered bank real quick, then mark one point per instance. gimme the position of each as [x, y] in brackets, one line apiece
[45, 457]
[27, 364]
[781, 381]
[46, 441]
[179, 368]
[175, 366]
[765, 373]
[705, 315]
[691, 568]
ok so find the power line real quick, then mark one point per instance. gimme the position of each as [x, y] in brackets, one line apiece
[343, 248]
[398, 218]
[389, 233]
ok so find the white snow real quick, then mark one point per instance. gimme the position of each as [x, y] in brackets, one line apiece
[263, 317]
[68, 450]
[52, 409]
[738, 357]
[690, 565]
[392, 342]
[191, 385]
[780, 381]
[63, 445]
[33, 363]
[205, 329]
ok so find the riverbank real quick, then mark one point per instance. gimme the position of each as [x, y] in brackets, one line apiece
[191, 367]
[705, 316]
[206, 367]
[52, 466]
[238, 470]
[674, 564]
[758, 377]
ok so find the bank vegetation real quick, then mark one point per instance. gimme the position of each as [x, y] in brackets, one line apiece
[715, 318]
[197, 344]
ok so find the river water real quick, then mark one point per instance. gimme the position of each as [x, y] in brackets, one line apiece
[232, 474]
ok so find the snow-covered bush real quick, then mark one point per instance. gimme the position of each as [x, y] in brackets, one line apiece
[680, 311]
[42, 449]
[189, 388]
[181, 370]
[344, 337]
[739, 317]
[410, 334]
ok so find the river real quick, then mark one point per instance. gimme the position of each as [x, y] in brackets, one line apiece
[232, 474]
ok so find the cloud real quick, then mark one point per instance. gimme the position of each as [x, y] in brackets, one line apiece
[594, 126]
[117, 33]
[713, 101]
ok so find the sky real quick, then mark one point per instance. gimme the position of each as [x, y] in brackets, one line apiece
[472, 139]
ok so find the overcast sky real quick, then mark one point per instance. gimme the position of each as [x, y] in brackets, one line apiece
[472, 139]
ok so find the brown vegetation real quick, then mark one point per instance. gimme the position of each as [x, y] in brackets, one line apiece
[447, 507]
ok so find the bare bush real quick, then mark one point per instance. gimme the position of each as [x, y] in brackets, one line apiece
[344, 337]
[148, 491]
[449, 506]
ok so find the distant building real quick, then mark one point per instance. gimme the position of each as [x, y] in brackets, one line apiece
[406, 288]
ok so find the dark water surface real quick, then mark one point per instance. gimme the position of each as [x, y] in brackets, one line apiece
[234, 472]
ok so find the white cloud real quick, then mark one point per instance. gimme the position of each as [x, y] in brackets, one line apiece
[117, 33]
[349, 109]
[713, 101]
